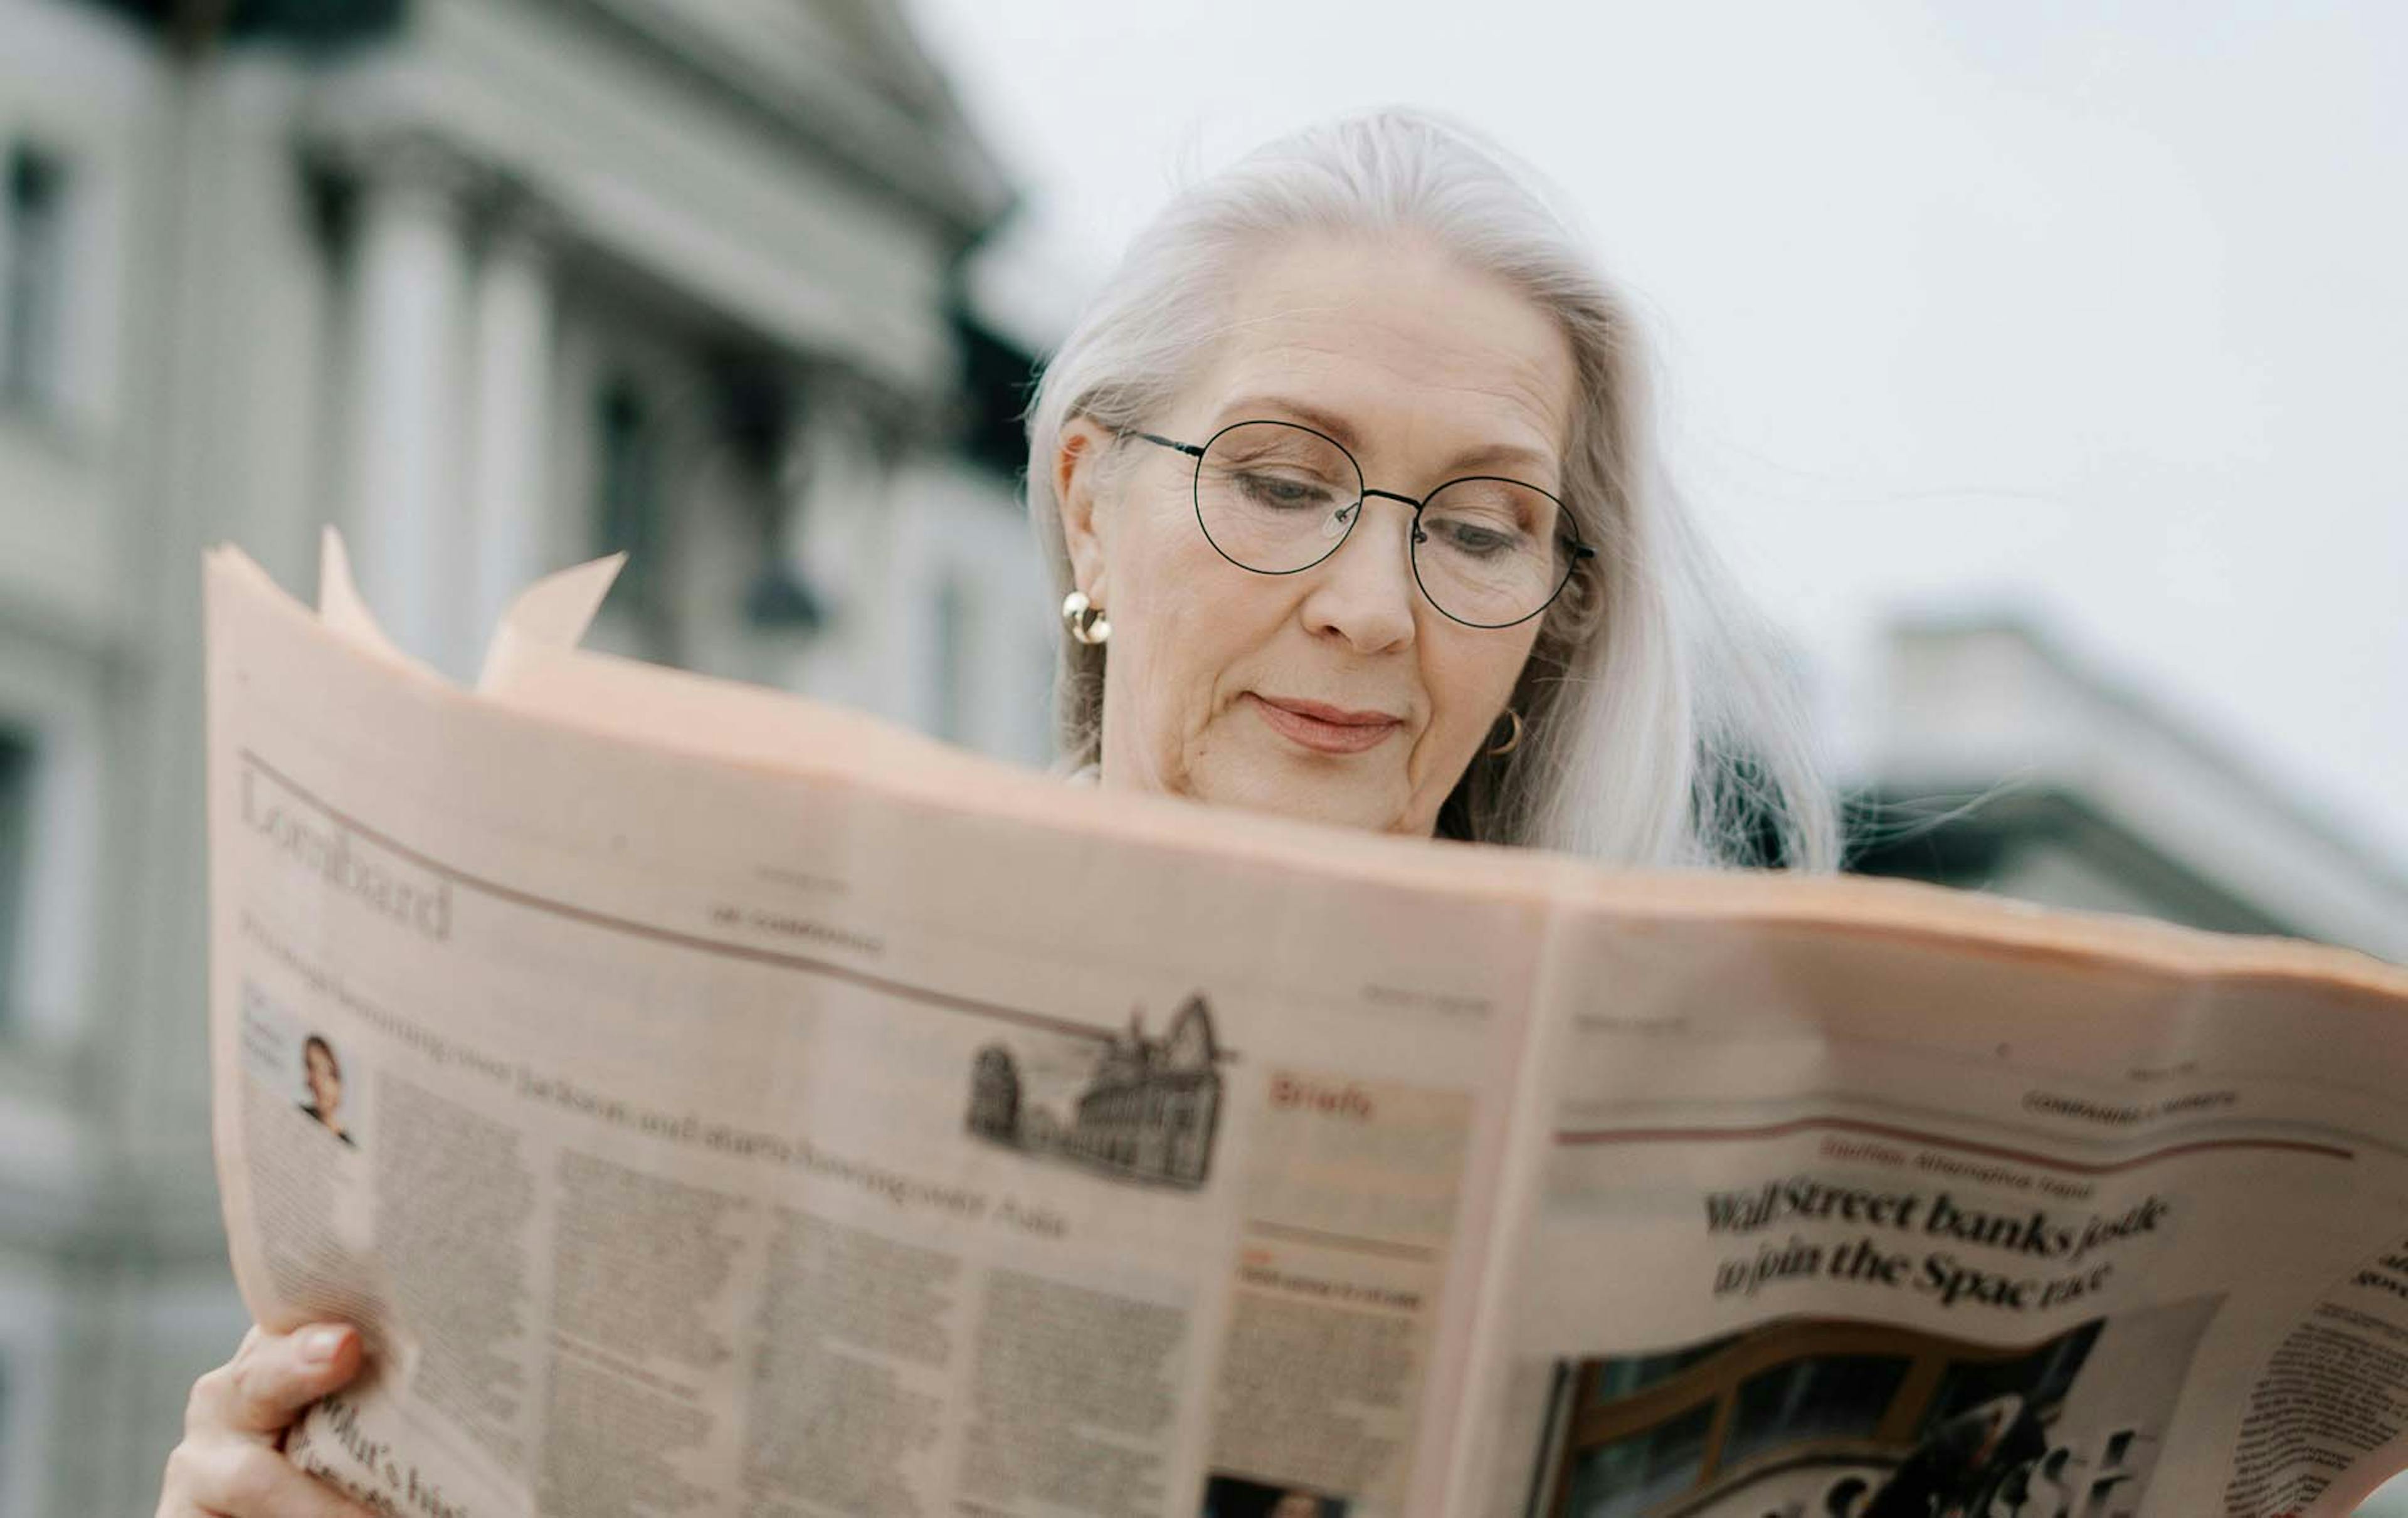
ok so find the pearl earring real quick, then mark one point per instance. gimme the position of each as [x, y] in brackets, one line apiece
[1084, 619]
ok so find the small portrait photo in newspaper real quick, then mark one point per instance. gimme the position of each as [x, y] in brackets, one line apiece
[299, 1068]
[322, 1076]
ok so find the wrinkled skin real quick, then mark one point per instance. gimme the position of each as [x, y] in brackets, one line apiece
[1427, 372]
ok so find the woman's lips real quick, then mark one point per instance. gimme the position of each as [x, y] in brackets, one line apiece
[1324, 729]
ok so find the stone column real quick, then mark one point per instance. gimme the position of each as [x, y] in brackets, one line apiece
[510, 397]
[409, 531]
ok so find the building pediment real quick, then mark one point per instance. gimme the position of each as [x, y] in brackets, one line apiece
[849, 73]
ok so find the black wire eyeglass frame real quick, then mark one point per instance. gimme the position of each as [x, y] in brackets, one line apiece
[1577, 550]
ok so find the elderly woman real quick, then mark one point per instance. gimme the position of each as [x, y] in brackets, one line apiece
[1348, 482]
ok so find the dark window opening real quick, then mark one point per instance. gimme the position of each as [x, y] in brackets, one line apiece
[1635, 1473]
[33, 264]
[15, 867]
[1827, 1396]
[1632, 1374]
[627, 503]
[998, 380]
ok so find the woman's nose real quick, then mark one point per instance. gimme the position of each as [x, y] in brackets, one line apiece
[1365, 592]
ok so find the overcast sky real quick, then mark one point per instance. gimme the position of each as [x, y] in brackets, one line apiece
[1963, 306]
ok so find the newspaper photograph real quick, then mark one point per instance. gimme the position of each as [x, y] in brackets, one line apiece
[1870, 1420]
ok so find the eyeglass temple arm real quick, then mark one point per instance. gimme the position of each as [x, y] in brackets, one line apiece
[1191, 449]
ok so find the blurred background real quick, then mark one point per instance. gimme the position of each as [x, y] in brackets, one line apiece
[2037, 366]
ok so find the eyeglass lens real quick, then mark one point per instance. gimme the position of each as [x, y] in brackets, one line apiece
[1278, 498]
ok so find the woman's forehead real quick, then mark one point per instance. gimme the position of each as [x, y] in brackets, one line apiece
[1390, 346]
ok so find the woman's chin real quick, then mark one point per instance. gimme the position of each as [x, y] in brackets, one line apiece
[1338, 802]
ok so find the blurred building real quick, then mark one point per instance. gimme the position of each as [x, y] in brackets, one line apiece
[1991, 758]
[497, 285]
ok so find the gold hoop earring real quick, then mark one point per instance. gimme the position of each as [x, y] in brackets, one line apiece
[1512, 739]
[1084, 620]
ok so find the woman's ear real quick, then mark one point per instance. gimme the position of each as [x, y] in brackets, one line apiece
[1077, 470]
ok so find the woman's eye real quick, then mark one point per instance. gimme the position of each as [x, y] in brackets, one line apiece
[1284, 491]
[1482, 542]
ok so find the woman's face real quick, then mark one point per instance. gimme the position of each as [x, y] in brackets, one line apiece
[326, 1082]
[1339, 694]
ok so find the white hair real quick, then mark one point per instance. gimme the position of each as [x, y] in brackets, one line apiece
[1659, 725]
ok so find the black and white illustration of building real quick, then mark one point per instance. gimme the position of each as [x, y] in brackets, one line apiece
[1144, 1108]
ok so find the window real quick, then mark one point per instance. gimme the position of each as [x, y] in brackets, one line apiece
[626, 504]
[1826, 1397]
[1634, 1474]
[1618, 1379]
[2041, 1377]
[33, 277]
[16, 862]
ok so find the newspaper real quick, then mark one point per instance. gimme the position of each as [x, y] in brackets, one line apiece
[710, 1102]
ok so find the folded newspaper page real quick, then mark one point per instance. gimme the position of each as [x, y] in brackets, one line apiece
[709, 1102]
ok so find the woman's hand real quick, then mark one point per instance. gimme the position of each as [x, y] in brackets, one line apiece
[231, 1464]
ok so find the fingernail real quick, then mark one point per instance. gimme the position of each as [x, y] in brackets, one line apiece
[318, 1346]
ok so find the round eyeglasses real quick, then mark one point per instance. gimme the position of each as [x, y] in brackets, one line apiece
[1278, 497]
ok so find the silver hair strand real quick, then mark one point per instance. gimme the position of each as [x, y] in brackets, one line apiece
[1662, 726]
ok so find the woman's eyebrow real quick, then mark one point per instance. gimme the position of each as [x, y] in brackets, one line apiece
[1279, 407]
